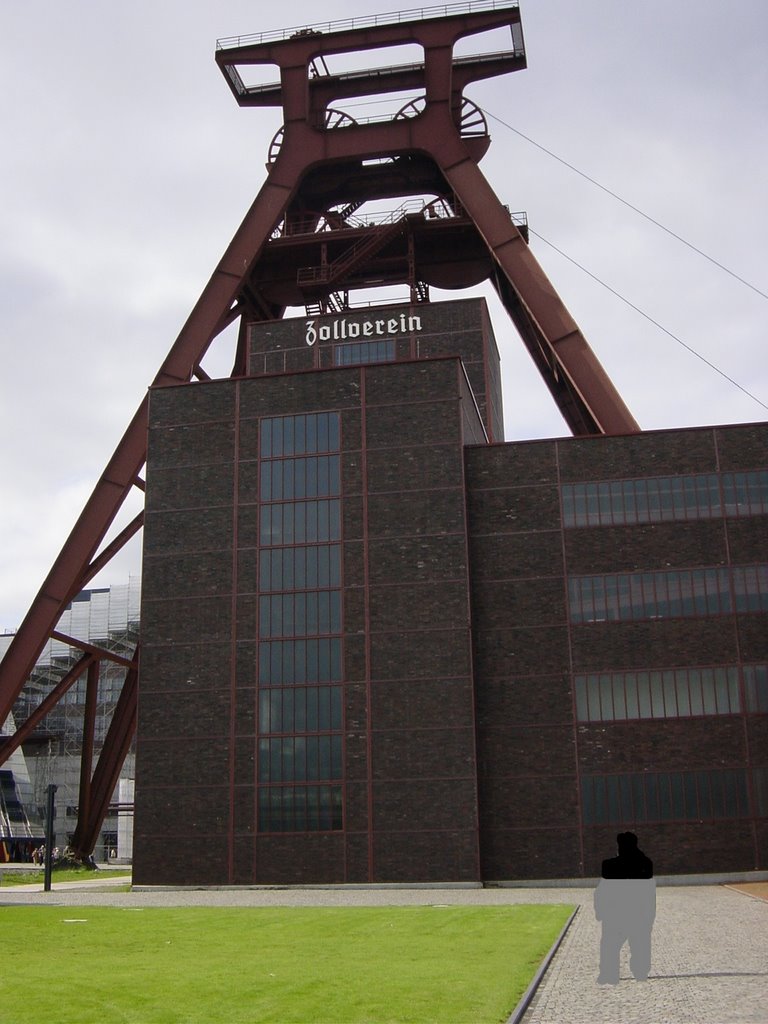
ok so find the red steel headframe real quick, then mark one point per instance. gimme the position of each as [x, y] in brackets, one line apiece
[430, 138]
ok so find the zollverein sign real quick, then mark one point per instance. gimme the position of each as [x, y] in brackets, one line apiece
[343, 329]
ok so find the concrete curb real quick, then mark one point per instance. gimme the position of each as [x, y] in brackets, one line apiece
[530, 992]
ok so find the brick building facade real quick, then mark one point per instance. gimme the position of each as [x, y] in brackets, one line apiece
[379, 644]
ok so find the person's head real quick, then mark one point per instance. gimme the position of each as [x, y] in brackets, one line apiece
[627, 842]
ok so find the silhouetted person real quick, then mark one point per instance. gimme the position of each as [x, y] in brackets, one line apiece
[625, 902]
[631, 861]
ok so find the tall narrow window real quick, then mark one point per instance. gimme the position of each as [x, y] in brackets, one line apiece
[299, 767]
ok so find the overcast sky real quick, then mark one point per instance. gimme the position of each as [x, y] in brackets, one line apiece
[127, 166]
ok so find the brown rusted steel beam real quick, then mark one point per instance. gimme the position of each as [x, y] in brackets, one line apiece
[105, 557]
[568, 355]
[99, 652]
[13, 742]
[299, 50]
[107, 772]
[86, 748]
[70, 571]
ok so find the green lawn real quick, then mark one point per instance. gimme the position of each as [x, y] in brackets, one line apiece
[403, 965]
[59, 875]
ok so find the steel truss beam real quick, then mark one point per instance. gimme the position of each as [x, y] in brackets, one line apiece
[317, 168]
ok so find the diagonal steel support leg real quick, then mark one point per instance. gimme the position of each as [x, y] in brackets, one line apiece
[107, 772]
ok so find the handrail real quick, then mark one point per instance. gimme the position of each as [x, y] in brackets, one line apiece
[348, 24]
[411, 207]
[382, 72]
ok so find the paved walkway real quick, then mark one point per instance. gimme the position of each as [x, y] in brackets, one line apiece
[709, 962]
[709, 965]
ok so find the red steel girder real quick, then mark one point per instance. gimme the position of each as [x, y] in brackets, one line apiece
[13, 742]
[107, 772]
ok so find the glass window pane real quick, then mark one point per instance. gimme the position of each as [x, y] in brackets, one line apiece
[587, 801]
[695, 688]
[312, 724]
[267, 712]
[336, 715]
[299, 435]
[643, 695]
[287, 653]
[298, 524]
[606, 698]
[625, 798]
[300, 710]
[335, 611]
[722, 692]
[670, 696]
[612, 796]
[324, 757]
[690, 795]
[664, 795]
[599, 801]
[652, 803]
[264, 619]
[275, 663]
[322, 432]
[263, 760]
[593, 691]
[657, 695]
[265, 441]
[734, 697]
[300, 661]
[300, 757]
[630, 686]
[288, 425]
[310, 440]
[313, 808]
[760, 791]
[717, 805]
[677, 794]
[639, 812]
[334, 432]
[324, 708]
[313, 763]
[582, 708]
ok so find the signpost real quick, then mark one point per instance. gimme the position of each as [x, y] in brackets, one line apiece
[49, 837]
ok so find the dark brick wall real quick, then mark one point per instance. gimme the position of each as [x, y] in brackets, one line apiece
[531, 751]
[462, 755]
[529, 824]
[460, 327]
[410, 788]
[422, 738]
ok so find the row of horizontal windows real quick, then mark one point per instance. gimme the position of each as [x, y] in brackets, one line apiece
[669, 693]
[306, 613]
[314, 476]
[299, 435]
[300, 568]
[672, 796]
[364, 352]
[300, 522]
[300, 709]
[300, 759]
[684, 593]
[656, 499]
[299, 809]
[296, 662]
